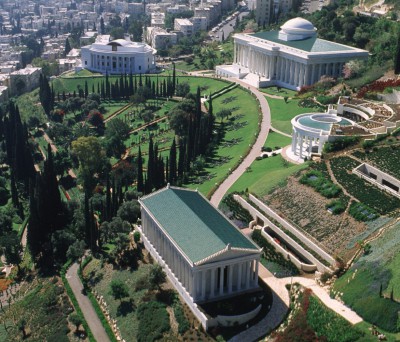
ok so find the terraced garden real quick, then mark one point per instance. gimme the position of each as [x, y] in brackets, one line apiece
[365, 192]
[386, 158]
[373, 279]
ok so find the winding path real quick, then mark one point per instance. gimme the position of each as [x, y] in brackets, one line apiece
[255, 149]
[86, 306]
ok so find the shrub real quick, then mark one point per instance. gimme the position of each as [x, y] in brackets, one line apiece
[336, 206]
[362, 212]
[153, 321]
[316, 179]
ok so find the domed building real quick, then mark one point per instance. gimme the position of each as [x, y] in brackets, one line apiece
[292, 57]
[119, 56]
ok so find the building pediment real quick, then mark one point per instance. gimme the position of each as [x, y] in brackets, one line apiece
[227, 253]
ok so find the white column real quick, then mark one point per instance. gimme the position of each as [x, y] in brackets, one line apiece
[310, 140]
[301, 146]
[230, 273]
[248, 265]
[203, 284]
[239, 278]
[212, 282]
[294, 141]
[320, 145]
[221, 281]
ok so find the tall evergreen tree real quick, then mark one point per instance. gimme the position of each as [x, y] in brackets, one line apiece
[140, 182]
[397, 56]
[172, 163]
[67, 48]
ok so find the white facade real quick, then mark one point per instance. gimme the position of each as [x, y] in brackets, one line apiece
[225, 272]
[118, 57]
[291, 58]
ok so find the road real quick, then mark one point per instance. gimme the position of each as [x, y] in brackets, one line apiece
[227, 28]
[86, 306]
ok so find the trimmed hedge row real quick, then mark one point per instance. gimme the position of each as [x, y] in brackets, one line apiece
[316, 180]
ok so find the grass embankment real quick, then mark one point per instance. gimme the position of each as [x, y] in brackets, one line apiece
[361, 284]
[266, 174]
[283, 112]
[240, 133]
[281, 92]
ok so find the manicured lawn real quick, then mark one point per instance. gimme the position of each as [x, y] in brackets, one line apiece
[282, 113]
[195, 65]
[277, 140]
[242, 130]
[282, 92]
[265, 175]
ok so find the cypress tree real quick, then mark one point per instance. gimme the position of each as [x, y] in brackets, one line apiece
[150, 167]
[181, 159]
[108, 89]
[86, 90]
[67, 48]
[108, 200]
[140, 182]
[172, 163]
[397, 56]
[93, 88]
[130, 84]
[88, 223]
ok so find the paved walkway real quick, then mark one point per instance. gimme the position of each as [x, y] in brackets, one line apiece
[255, 149]
[86, 306]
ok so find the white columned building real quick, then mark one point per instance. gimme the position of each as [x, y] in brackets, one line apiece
[292, 57]
[119, 56]
[205, 256]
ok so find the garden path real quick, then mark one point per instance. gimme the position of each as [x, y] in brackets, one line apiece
[86, 306]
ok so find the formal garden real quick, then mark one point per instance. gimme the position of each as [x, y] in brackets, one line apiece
[386, 158]
[362, 190]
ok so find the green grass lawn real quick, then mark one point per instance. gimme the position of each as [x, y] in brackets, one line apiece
[281, 92]
[29, 106]
[265, 175]
[277, 140]
[282, 113]
[247, 108]
[195, 65]
[368, 337]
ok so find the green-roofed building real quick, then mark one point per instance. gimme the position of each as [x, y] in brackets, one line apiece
[292, 57]
[205, 256]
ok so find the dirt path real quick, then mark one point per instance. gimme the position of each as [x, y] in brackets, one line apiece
[86, 306]
[117, 112]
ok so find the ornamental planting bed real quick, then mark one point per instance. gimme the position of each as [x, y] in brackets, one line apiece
[365, 192]
[386, 158]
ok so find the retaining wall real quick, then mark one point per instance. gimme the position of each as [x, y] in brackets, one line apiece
[316, 264]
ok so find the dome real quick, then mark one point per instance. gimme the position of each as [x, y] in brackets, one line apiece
[297, 29]
[298, 24]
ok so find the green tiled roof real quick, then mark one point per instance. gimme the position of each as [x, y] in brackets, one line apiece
[313, 44]
[193, 223]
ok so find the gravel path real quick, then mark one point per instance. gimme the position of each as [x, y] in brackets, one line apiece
[88, 311]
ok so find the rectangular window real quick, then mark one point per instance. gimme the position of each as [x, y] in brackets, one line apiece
[114, 48]
[85, 62]
[140, 68]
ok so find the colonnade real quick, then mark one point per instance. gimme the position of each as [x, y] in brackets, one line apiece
[224, 279]
[303, 142]
[282, 67]
[206, 281]
[105, 63]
